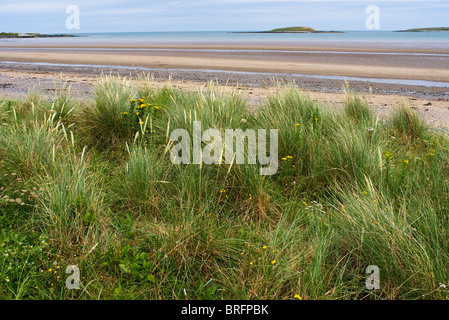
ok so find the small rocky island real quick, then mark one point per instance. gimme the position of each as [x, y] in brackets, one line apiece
[15, 35]
[441, 29]
[294, 30]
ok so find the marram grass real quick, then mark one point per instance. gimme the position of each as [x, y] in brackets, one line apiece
[91, 184]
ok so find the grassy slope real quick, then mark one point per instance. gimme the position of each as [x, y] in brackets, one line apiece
[93, 185]
[293, 29]
[9, 34]
[426, 29]
[31, 35]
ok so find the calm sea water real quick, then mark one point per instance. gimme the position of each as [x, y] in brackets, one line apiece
[423, 40]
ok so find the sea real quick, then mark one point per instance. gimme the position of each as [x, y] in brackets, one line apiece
[437, 43]
[378, 39]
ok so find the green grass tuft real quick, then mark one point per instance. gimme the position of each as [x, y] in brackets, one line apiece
[91, 184]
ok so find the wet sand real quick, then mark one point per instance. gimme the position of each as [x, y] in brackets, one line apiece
[250, 69]
[348, 62]
[16, 84]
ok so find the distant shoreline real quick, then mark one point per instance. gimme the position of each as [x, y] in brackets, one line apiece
[288, 32]
[442, 29]
[14, 35]
[293, 30]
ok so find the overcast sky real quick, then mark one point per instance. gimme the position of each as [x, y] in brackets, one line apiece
[221, 15]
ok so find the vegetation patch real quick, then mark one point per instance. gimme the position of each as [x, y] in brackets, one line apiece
[92, 185]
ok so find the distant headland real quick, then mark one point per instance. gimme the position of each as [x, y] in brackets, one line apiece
[15, 35]
[293, 30]
[425, 30]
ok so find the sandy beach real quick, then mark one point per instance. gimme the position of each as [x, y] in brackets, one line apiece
[214, 151]
[349, 62]
[386, 75]
[16, 84]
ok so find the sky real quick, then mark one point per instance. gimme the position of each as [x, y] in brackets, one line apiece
[217, 15]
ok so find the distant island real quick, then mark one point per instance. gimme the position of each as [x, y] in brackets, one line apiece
[15, 35]
[293, 30]
[425, 30]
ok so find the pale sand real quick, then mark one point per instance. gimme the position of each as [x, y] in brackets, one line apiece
[394, 63]
[436, 114]
[234, 46]
[398, 65]
[232, 65]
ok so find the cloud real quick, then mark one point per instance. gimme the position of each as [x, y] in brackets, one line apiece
[139, 15]
[30, 7]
